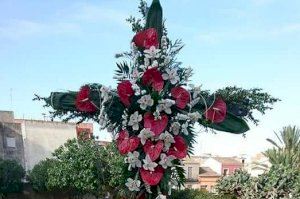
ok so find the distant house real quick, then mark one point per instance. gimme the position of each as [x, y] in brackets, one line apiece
[208, 178]
[30, 141]
[191, 167]
[204, 172]
[223, 165]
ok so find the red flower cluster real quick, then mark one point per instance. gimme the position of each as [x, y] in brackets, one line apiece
[153, 150]
[83, 102]
[181, 95]
[125, 92]
[156, 126]
[152, 177]
[217, 112]
[127, 144]
[179, 148]
[152, 77]
[146, 38]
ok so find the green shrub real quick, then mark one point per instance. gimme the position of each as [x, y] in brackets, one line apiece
[280, 182]
[38, 176]
[233, 184]
[11, 174]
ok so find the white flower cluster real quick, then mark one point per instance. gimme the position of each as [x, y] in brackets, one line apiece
[105, 95]
[171, 75]
[133, 185]
[134, 120]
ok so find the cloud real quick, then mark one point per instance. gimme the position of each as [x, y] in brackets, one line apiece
[68, 22]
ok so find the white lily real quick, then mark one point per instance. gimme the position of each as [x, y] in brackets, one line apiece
[167, 138]
[145, 134]
[185, 128]
[148, 164]
[175, 128]
[145, 101]
[133, 185]
[165, 105]
[171, 74]
[166, 161]
[133, 160]
[134, 120]
[195, 116]
[152, 52]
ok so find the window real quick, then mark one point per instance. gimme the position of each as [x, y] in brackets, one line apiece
[225, 172]
[190, 169]
[10, 142]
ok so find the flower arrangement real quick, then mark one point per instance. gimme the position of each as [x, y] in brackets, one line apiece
[152, 112]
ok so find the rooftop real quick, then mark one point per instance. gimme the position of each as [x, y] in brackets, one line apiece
[227, 160]
[207, 172]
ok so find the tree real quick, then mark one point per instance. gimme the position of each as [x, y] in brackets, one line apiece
[287, 149]
[82, 166]
[11, 174]
[38, 176]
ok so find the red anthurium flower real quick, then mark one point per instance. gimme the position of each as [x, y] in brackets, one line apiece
[127, 144]
[156, 126]
[153, 150]
[146, 38]
[181, 95]
[152, 178]
[217, 112]
[179, 148]
[152, 77]
[83, 103]
[125, 92]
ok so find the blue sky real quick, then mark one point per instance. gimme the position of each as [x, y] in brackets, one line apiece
[60, 44]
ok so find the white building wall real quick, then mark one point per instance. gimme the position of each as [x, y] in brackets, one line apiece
[214, 165]
[42, 138]
[194, 169]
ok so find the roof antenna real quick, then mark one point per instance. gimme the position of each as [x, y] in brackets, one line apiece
[11, 99]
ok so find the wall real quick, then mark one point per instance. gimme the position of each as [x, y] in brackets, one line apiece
[41, 138]
[195, 170]
[11, 142]
[209, 181]
[231, 168]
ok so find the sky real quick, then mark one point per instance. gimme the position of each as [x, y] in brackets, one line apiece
[59, 45]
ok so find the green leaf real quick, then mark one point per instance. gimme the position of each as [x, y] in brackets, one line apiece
[231, 124]
[62, 100]
[155, 18]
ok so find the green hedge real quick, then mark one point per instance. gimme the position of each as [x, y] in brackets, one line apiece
[11, 174]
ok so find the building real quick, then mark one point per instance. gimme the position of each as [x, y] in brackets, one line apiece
[30, 141]
[191, 167]
[11, 139]
[223, 165]
[203, 172]
[208, 178]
